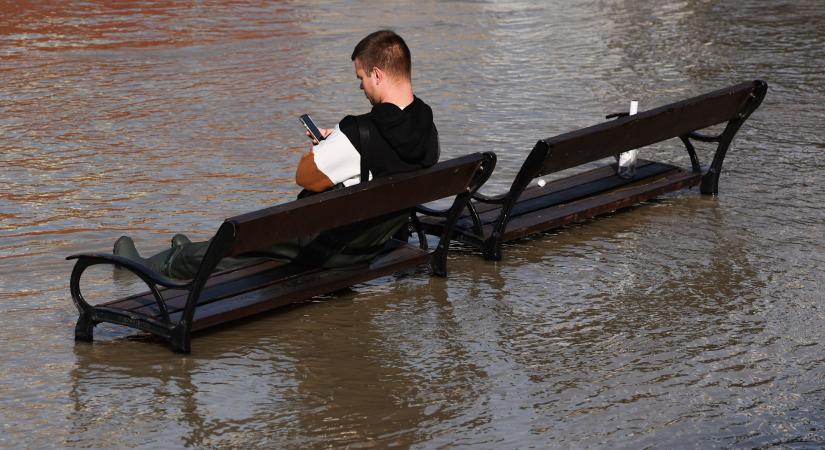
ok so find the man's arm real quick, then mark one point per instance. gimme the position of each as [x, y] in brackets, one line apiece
[309, 177]
[334, 160]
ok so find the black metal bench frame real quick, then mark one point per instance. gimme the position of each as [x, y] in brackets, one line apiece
[173, 309]
[490, 221]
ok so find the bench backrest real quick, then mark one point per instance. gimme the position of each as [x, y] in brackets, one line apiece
[632, 132]
[336, 208]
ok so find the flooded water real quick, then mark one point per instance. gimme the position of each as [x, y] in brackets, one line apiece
[690, 321]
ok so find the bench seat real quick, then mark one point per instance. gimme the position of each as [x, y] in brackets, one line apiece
[265, 285]
[571, 199]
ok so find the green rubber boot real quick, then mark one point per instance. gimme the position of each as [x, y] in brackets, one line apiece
[179, 240]
[125, 246]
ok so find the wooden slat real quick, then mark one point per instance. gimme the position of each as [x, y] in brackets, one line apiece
[302, 288]
[262, 276]
[147, 299]
[533, 190]
[656, 125]
[142, 300]
[606, 202]
[239, 283]
[559, 191]
[587, 189]
[349, 205]
[560, 184]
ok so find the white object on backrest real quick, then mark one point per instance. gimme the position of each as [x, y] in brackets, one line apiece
[627, 160]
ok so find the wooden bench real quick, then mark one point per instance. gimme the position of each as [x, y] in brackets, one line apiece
[173, 309]
[529, 208]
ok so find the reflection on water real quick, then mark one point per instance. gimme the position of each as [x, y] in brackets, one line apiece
[688, 321]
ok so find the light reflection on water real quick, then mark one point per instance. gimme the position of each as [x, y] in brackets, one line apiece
[689, 321]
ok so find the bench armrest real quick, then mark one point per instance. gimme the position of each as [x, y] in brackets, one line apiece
[427, 211]
[498, 199]
[703, 137]
[134, 266]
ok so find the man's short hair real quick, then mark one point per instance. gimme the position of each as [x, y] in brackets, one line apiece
[387, 51]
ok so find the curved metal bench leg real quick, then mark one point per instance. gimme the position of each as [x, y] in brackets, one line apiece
[84, 329]
[179, 339]
[710, 180]
[532, 168]
[492, 247]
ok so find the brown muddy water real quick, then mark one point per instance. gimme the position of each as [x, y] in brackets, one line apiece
[688, 322]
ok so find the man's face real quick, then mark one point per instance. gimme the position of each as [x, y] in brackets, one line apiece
[368, 82]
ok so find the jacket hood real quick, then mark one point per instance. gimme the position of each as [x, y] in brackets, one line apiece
[406, 130]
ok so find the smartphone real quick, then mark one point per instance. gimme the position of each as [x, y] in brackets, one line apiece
[307, 122]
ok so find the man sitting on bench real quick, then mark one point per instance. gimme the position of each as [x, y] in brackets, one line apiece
[397, 135]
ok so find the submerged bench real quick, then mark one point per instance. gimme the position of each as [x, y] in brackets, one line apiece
[173, 309]
[488, 222]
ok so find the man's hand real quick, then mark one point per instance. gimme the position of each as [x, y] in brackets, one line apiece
[324, 132]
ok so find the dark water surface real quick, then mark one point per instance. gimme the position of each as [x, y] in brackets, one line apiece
[690, 321]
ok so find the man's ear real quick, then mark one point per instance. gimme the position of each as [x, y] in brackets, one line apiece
[380, 76]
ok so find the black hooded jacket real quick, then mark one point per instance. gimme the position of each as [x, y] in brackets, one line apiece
[399, 140]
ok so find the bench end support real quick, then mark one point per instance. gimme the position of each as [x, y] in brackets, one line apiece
[710, 182]
[492, 247]
[84, 329]
[180, 339]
